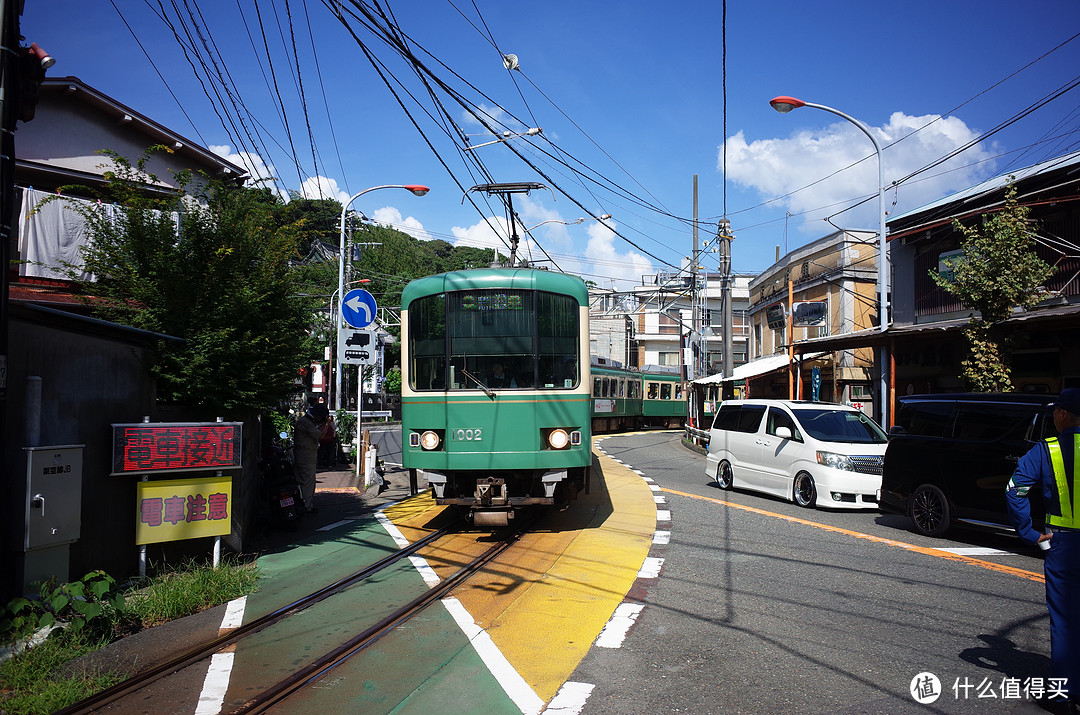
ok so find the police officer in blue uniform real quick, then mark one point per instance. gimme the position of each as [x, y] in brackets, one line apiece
[1053, 468]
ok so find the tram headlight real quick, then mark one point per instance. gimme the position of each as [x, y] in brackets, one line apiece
[558, 439]
[429, 440]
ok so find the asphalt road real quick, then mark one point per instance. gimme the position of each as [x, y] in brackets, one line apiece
[763, 606]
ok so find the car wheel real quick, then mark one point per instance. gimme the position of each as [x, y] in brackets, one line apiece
[805, 492]
[929, 511]
[723, 475]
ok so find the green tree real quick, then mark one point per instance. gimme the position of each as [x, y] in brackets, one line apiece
[210, 266]
[996, 272]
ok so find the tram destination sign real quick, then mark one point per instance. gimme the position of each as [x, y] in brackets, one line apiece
[149, 447]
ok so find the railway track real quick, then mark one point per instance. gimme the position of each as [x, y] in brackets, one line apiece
[114, 696]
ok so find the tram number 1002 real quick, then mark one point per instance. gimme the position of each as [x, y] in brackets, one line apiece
[467, 435]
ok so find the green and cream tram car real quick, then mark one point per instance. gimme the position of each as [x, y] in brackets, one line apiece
[495, 401]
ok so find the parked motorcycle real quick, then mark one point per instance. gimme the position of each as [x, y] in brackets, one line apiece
[279, 486]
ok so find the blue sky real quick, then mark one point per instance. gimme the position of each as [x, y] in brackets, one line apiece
[629, 94]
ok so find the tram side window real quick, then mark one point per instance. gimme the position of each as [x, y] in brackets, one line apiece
[665, 391]
[597, 382]
[653, 391]
[634, 390]
[558, 334]
[427, 343]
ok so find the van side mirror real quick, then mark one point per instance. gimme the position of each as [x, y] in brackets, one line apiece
[783, 432]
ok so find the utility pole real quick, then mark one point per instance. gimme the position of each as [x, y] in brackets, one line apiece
[9, 73]
[724, 238]
[695, 315]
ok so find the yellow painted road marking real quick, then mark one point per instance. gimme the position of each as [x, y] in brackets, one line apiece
[990, 565]
[551, 602]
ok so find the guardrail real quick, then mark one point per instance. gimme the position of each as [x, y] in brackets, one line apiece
[698, 434]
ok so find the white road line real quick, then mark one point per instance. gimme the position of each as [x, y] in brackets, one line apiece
[511, 681]
[335, 525]
[661, 537]
[639, 472]
[234, 614]
[654, 487]
[395, 533]
[650, 568]
[976, 551]
[663, 515]
[570, 699]
[426, 572]
[215, 684]
[616, 629]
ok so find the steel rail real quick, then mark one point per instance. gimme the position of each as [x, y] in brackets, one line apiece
[318, 668]
[140, 679]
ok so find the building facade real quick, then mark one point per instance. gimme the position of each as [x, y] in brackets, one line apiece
[825, 288]
[678, 326]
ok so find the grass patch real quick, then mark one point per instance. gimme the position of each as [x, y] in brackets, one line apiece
[194, 588]
[29, 687]
[32, 682]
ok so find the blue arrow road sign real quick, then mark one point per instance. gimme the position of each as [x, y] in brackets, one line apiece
[358, 308]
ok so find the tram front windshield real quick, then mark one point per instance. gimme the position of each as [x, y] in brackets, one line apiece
[497, 339]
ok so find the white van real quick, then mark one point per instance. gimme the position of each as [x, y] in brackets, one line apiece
[813, 453]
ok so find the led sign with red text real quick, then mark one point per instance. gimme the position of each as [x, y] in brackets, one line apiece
[147, 447]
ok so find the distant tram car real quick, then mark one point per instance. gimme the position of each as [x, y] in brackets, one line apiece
[495, 403]
[629, 398]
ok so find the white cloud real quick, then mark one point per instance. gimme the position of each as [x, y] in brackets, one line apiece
[390, 216]
[625, 269]
[252, 163]
[488, 233]
[777, 167]
[600, 261]
[323, 187]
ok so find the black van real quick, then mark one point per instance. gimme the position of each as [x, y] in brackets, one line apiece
[951, 456]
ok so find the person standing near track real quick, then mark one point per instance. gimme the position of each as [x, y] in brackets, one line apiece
[312, 426]
[1053, 468]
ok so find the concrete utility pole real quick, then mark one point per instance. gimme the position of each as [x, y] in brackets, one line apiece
[724, 238]
[695, 315]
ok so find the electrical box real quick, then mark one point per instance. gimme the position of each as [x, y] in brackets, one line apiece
[53, 514]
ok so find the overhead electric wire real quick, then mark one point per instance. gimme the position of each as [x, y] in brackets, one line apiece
[326, 103]
[300, 87]
[150, 59]
[277, 92]
[407, 53]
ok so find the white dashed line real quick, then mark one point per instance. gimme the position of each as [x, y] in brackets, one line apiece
[663, 515]
[570, 699]
[616, 629]
[661, 537]
[651, 568]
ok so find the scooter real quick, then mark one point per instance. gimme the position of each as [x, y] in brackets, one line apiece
[279, 486]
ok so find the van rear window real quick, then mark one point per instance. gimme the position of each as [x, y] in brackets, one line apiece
[727, 418]
[928, 419]
[750, 418]
[990, 423]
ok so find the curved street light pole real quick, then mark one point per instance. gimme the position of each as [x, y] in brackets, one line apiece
[784, 104]
[416, 189]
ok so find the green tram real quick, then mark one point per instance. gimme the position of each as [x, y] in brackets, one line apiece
[664, 401]
[495, 403]
[628, 398]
